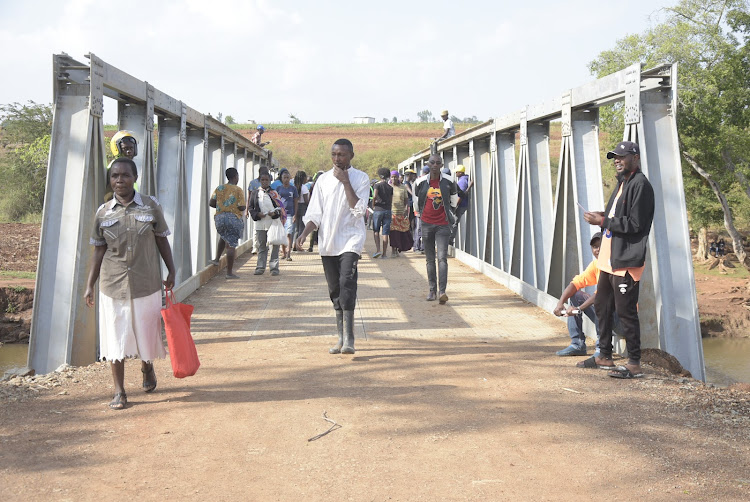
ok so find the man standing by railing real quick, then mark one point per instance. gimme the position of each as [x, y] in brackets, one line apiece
[625, 225]
[464, 185]
[337, 208]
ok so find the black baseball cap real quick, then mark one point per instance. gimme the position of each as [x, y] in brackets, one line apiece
[623, 148]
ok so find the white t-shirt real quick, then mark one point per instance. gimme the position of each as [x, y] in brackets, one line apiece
[341, 229]
[448, 125]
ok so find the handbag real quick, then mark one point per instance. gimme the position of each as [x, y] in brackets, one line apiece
[276, 233]
[182, 351]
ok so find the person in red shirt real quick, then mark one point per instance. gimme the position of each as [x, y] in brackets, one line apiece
[436, 197]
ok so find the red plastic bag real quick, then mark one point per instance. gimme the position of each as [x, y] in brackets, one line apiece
[182, 350]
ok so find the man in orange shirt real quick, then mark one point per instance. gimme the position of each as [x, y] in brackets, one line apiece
[580, 303]
[625, 225]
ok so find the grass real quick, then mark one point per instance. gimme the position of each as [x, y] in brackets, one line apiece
[15, 274]
[738, 272]
[33, 218]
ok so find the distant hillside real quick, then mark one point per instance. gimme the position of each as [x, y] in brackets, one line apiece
[308, 146]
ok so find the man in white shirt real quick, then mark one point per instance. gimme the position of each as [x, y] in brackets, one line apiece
[448, 129]
[336, 209]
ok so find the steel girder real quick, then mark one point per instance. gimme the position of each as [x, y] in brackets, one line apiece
[189, 165]
[521, 235]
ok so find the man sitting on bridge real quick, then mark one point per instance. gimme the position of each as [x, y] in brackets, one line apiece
[448, 128]
[256, 138]
[581, 303]
[337, 208]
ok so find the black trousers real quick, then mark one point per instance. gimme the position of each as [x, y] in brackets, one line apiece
[618, 294]
[341, 275]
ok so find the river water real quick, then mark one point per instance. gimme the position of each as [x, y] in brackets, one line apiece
[13, 355]
[727, 359]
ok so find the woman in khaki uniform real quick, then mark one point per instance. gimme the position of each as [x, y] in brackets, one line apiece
[129, 235]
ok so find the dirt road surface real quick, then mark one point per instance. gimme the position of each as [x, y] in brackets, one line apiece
[465, 401]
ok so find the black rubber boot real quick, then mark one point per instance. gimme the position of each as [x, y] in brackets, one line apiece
[348, 347]
[336, 349]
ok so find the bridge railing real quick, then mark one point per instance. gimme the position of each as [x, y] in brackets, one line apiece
[193, 152]
[531, 236]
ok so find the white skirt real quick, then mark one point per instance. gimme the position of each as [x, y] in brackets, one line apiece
[129, 328]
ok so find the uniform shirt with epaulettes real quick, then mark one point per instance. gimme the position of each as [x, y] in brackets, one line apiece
[131, 266]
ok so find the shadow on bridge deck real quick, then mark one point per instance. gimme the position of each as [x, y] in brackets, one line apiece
[391, 305]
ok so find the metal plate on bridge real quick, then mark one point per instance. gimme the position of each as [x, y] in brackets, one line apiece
[566, 112]
[633, 94]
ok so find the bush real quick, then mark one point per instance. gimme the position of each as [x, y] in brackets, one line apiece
[25, 142]
[23, 173]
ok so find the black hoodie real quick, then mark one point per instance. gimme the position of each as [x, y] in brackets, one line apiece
[631, 222]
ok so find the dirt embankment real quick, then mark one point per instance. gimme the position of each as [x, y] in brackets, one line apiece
[19, 247]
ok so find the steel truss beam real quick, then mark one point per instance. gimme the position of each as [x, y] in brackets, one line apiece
[520, 235]
[194, 150]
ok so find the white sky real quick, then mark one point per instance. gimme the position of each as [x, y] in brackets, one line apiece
[325, 60]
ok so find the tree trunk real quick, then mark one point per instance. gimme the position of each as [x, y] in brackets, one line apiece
[739, 249]
[701, 254]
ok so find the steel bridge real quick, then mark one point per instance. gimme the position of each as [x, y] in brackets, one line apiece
[527, 230]
[193, 152]
[515, 232]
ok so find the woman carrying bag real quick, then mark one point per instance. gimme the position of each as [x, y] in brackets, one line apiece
[265, 212]
[129, 235]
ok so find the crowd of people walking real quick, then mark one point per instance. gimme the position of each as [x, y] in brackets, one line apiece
[335, 208]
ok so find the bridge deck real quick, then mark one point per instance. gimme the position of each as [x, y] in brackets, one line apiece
[458, 402]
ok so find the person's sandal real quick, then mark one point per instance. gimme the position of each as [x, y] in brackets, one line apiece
[591, 363]
[148, 384]
[119, 402]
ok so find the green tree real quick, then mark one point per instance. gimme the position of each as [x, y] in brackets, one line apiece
[425, 116]
[708, 39]
[24, 152]
[24, 178]
[293, 119]
[229, 120]
[23, 124]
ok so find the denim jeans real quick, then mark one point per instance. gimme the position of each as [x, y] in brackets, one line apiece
[418, 245]
[575, 323]
[436, 236]
[262, 236]
[459, 213]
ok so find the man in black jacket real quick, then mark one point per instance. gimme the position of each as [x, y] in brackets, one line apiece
[625, 226]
